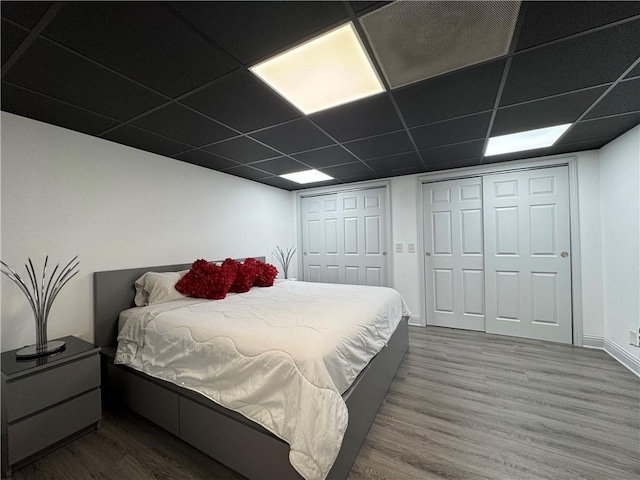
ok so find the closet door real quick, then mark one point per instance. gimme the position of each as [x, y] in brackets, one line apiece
[320, 221]
[344, 238]
[527, 254]
[454, 253]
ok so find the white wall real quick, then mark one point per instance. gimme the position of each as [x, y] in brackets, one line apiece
[404, 229]
[590, 248]
[65, 193]
[620, 211]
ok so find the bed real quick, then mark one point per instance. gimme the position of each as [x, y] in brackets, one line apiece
[233, 438]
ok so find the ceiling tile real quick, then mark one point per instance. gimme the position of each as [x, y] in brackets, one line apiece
[347, 170]
[27, 14]
[505, 157]
[53, 71]
[206, 159]
[242, 101]
[623, 98]
[436, 166]
[381, 146]
[295, 136]
[280, 166]
[253, 30]
[635, 72]
[12, 37]
[134, 137]
[279, 183]
[364, 177]
[33, 105]
[405, 171]
[450, 153]
[579, 146]
[601, 128]
[243, 150]
[180, 123]
[360, 6]
[548, 21]
[452, 95]
[557, 110]
[599, 57]
[325, 157]
[364, 118]
[246, 171]
[462, 129]
[395, 162]
[142, 40]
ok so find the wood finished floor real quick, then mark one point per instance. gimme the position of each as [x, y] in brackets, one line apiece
[464, 405]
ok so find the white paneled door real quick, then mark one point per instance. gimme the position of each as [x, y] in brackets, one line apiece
[454, 253]
[344, 238]
[527, 254]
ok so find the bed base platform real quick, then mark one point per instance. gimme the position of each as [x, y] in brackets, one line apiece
[225, 435]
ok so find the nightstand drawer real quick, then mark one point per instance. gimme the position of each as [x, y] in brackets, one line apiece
[31, 393]
[39, 431]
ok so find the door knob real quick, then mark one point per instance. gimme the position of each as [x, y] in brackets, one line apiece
[305, 254]
[428, 254]
[564, 254]
[384, 254]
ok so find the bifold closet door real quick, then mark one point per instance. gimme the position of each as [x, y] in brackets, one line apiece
[527, 254]
[344, 238]
[454, 253]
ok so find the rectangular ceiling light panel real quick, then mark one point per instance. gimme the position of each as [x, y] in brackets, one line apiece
[327, 71]
[307, 176]
[414, 41]
[529, 140]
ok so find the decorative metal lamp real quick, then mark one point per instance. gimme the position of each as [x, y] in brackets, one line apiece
[41, 299]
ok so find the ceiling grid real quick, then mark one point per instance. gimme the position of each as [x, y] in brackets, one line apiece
[172, 78]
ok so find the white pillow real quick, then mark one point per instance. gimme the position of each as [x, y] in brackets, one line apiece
[157, 287]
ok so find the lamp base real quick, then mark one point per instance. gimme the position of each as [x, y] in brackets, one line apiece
[31, 351]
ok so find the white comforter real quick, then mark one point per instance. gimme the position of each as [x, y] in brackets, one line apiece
[281, 356]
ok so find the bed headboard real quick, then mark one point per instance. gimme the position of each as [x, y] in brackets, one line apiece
[113, 292]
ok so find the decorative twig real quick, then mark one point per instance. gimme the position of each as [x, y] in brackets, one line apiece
[40, 297]
[284, 258]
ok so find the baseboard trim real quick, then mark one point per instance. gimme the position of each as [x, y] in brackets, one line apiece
[622, 356]
[416, 321]
[592, 341]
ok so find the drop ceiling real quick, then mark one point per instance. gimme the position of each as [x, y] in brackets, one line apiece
[173, 78]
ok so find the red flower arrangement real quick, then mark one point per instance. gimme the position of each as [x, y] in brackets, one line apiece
[206, 280]
[267, 273]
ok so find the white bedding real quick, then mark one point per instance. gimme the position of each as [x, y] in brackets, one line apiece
[281, 356]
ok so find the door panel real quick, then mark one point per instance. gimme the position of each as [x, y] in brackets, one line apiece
[344, 237]
[473, 288]
[453, 238]
[471, 231]
[527, 280]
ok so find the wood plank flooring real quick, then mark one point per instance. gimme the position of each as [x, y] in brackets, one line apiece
[464, 405]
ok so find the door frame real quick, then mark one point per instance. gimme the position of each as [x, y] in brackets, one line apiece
[359, 186]
[571, 162]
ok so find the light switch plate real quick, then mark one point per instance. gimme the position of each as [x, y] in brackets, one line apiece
[399, 248]
[411, 247]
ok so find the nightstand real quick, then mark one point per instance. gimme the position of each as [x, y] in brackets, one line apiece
[49, 401]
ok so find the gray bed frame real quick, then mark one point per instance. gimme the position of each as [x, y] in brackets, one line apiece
[223, 434]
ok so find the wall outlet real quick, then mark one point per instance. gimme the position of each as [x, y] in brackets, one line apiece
[634, 338]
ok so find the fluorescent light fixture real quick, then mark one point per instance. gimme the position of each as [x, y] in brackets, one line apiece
[327, 71]
[307, 176]
[517, 142]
